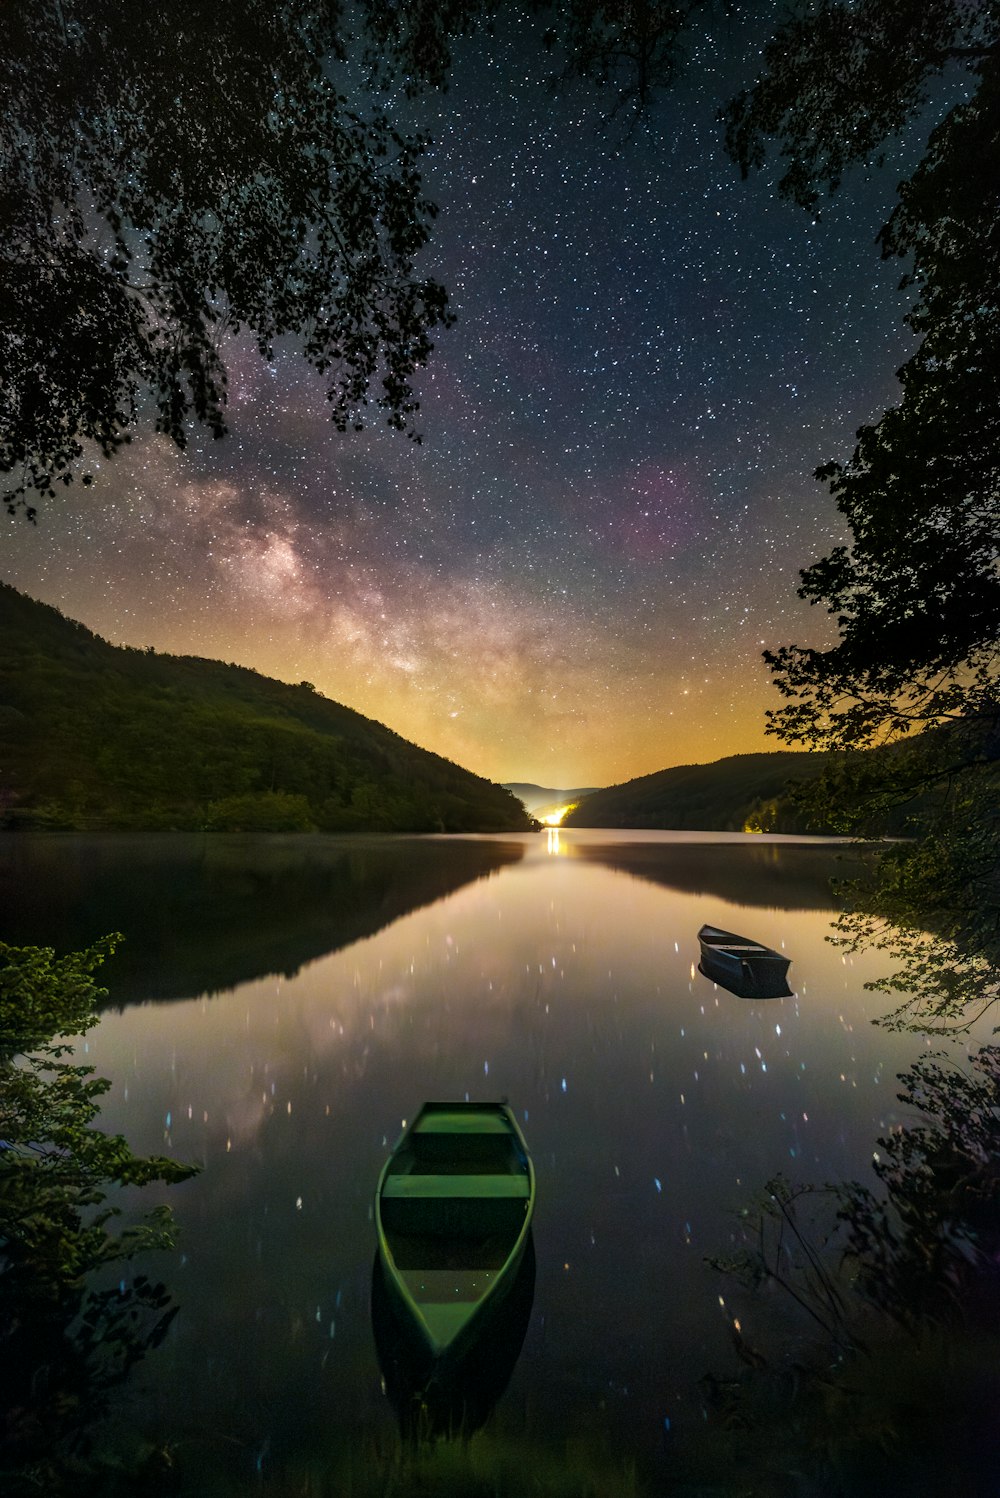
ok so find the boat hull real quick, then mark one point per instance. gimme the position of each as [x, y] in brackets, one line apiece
[455, 1395]
[453, 1213]
[743, 966]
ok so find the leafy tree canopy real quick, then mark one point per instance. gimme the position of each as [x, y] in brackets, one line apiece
[65, 1342]
[193, 170]
[175, 176]
[917, 593]
[841, 77]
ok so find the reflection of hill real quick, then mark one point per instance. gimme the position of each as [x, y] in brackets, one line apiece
[786, 876]
[205, 913]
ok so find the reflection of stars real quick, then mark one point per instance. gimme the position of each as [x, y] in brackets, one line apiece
[572, 578]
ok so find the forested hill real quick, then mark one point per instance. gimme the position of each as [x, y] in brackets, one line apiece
[94, 735]
[746, 792]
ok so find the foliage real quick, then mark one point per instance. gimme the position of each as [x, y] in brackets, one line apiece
[915, 1416]
[783, 1249]
[99, 736]
[725, 795]
[931, 1246]
[917, 597]
[919, 906]
[923, 1249]
[839, 79]
[166, 184]
[895, 790]
[931, 900]
[901, 1290]
[635, 49]
[916, 593]
[65, 1340]
[208, 170]
[268, 811]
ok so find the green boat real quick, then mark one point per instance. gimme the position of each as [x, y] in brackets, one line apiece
[453, 1213]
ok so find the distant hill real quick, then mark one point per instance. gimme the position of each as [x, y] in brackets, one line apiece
[536, 797]
[94, 735]
[745, 792]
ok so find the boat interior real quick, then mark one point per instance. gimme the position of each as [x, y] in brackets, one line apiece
[456, 1194]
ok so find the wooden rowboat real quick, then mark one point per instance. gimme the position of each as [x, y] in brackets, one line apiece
[453, 1211]
[743, 966]
[449, 1397]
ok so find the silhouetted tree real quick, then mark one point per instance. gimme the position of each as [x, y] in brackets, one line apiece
[916, 593]
[174, 175]
[178, 174]
[65, 1342]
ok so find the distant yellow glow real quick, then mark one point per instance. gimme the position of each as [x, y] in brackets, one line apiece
[554, 817]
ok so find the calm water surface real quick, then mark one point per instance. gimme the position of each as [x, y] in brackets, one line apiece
[284, 1005]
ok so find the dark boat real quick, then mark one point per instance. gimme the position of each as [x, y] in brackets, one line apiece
[743, 966]
[453, 1211]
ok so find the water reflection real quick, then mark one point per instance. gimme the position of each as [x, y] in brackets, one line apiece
[752, 988]
[655, 1102]
[788, 873]
[887, 1378]
[202, 914]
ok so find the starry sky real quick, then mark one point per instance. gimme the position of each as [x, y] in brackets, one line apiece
[572, 579]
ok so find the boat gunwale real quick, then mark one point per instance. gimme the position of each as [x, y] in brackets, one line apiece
[747, 950]
[491, 1296]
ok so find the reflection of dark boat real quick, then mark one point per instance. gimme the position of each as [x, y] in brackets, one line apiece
[435, 1398]
[743, 966]
[453, 1211]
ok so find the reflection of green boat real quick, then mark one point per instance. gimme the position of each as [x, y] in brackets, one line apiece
[453, 1210]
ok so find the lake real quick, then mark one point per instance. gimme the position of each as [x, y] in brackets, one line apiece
[281, 1006]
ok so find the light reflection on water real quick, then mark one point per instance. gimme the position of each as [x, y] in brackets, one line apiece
[653, 1102]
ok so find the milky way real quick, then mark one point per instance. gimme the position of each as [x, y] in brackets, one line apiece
[571, 579]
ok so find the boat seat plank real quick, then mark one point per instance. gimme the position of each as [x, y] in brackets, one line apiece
[491, 1186]
[442, 1122]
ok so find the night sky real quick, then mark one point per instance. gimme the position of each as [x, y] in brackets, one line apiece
[571, 580]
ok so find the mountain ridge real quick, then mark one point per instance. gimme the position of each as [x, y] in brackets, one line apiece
[96, 735]
[535, 796]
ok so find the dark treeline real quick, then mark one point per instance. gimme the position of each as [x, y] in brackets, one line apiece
[743, 793]
[101, 736]
[864, 794]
